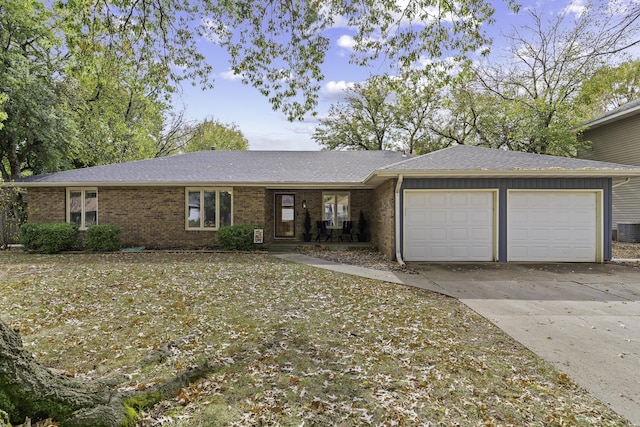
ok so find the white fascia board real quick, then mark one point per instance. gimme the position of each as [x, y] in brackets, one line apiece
[524, 173]
[610, 118]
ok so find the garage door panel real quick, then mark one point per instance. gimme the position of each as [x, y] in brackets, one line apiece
[552, 226]
[459, 224]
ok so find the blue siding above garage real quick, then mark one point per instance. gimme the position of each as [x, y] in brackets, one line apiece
[504, 184]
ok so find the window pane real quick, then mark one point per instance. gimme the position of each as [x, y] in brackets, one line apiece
[75, 207]
[329, 208]
[342, 212]
[194, 209]
[288, 200]
[90, 207]
[209, 209]
[225, 209]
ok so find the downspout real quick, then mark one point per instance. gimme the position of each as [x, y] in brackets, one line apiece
[621, 183]
[397, 220]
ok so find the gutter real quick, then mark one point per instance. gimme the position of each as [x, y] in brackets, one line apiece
[621, 183]
[397, 220]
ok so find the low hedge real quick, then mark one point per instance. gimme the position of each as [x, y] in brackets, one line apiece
[102, 238]
[237, 238]
[48, 238]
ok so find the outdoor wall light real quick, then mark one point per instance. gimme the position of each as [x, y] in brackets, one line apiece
[304, 204]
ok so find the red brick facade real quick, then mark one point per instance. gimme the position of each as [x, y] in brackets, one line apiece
[155, 216]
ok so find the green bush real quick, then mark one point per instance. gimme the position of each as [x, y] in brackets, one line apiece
[237, 238]
[48, 238]
[102, 238]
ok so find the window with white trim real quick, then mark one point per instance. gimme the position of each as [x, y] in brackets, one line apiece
[208, 208]
[82, 206]
[336, 208]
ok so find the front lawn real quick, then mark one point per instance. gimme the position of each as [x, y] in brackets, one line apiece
[293, 345]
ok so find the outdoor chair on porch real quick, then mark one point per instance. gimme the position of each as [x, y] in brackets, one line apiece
[323, 231]
[347, 227]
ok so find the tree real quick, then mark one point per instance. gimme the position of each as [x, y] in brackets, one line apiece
[29, 389]
[609, 88]
[38, 123]
[362, 122]
[211, 133]
[130, 50]
[547, 64]
[383, 113]
[415, 107]
[117, 122]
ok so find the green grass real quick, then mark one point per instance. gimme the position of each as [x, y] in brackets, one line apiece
[291, 343]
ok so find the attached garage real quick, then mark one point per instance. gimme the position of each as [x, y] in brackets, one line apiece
[563, 226]
[450, 225]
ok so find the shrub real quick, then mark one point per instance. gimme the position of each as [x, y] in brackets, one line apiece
[48, 238]
[102, 238]
[237, 238]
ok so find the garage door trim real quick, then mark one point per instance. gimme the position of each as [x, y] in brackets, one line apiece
[495, 212]
[599, 215]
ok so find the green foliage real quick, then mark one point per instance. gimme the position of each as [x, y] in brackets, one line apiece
[363, 121]
[609, 88]
[213, 134]
[384, 113]
[11, 214]
[134, 404]
[48, 238]
[38, 123]
[102, 238]
[237, 238]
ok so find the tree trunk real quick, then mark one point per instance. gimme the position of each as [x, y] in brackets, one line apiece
[28, 389]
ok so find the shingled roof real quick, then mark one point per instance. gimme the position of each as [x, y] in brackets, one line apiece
[464, 160]
[231, 168]
[326, 168]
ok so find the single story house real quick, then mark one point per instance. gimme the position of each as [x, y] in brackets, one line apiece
[615, 137]
[461, 203]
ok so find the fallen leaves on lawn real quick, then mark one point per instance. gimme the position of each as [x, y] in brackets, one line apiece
[295, 345]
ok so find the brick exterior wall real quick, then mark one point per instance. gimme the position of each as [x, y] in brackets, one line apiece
[152, 216]
[383, 218]
[155, 216]
[46, 204]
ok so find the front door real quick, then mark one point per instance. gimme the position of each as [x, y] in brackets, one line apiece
[285, 215]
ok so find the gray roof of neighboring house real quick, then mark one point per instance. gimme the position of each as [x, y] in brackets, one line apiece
[348, 168]
[622, 112]
[466, 160]
[231, 167]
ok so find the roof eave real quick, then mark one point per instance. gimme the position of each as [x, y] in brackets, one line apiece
[274, 185]
[603, 120]
[521, 173]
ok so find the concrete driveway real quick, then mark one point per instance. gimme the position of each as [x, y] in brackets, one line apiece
[584, 318]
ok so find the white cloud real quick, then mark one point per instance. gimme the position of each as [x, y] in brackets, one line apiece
[230, 75]
[346, 42]
[333, 91]
[577, 7]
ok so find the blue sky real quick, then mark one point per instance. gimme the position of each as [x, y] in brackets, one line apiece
[233, 102]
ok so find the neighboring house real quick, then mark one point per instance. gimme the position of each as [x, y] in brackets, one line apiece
[615, 137]
[457, 204]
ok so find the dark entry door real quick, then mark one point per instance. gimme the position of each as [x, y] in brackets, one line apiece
[285, 215]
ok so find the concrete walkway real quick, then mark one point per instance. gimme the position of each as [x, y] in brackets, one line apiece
[583, 318]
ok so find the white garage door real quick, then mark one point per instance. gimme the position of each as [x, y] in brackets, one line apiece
[552, 226]
[448, 225]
